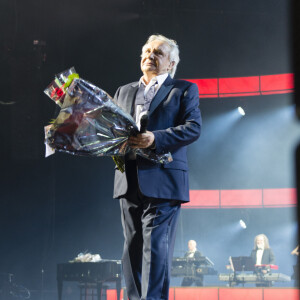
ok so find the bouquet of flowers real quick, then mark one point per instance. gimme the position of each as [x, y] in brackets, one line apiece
[89, 122]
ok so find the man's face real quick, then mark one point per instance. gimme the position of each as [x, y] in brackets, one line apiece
[155, 58]
[260, 242]
[191, 245]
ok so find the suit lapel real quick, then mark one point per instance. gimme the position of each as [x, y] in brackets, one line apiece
[130, 97]
[161, 94]
[264, 256]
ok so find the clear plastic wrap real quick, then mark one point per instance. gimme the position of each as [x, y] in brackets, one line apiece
[56, 90]
[90, 123]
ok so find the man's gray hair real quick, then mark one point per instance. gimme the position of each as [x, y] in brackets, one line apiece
[174, 50]
[266, 241]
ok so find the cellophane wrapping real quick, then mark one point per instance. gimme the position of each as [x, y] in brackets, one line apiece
[90, 123]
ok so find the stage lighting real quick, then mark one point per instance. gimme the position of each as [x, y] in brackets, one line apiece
[243, 224]
[241, 111]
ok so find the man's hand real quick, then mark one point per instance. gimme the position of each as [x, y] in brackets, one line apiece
[142, 140]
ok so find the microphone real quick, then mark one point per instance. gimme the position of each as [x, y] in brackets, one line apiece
[144, 123]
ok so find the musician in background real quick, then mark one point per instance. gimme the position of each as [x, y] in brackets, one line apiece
[262, 256]
[192, 253]
[295, 251]
[295, 275]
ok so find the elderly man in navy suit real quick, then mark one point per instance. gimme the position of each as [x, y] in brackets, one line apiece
[151, 193]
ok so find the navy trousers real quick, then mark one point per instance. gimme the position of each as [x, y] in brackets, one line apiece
[149, 227]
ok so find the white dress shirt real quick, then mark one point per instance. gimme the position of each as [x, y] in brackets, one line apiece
[259, 254]
[157, 81]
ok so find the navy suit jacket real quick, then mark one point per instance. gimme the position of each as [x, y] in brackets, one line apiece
[175, 120]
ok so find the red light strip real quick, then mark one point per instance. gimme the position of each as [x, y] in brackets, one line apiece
[224, 293]
[245, 86]
[256, 198]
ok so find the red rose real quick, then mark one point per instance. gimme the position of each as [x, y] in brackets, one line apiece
[57, 93]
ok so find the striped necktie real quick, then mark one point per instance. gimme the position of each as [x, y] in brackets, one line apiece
[148, 97]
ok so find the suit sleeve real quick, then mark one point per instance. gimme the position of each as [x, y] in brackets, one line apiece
[253, 255]
[197, 254]
[189, 124]
[271, 258]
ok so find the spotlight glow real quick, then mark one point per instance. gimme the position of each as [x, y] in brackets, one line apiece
[243, 224]
[241, 111]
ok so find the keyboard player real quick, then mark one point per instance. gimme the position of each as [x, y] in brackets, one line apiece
[196, 254]
[262, 256]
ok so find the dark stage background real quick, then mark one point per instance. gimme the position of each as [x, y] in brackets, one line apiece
[54, 208]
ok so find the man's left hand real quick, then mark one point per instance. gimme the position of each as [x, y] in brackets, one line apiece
[142, 140]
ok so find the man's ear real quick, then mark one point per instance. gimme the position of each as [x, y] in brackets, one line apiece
[171, 65]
